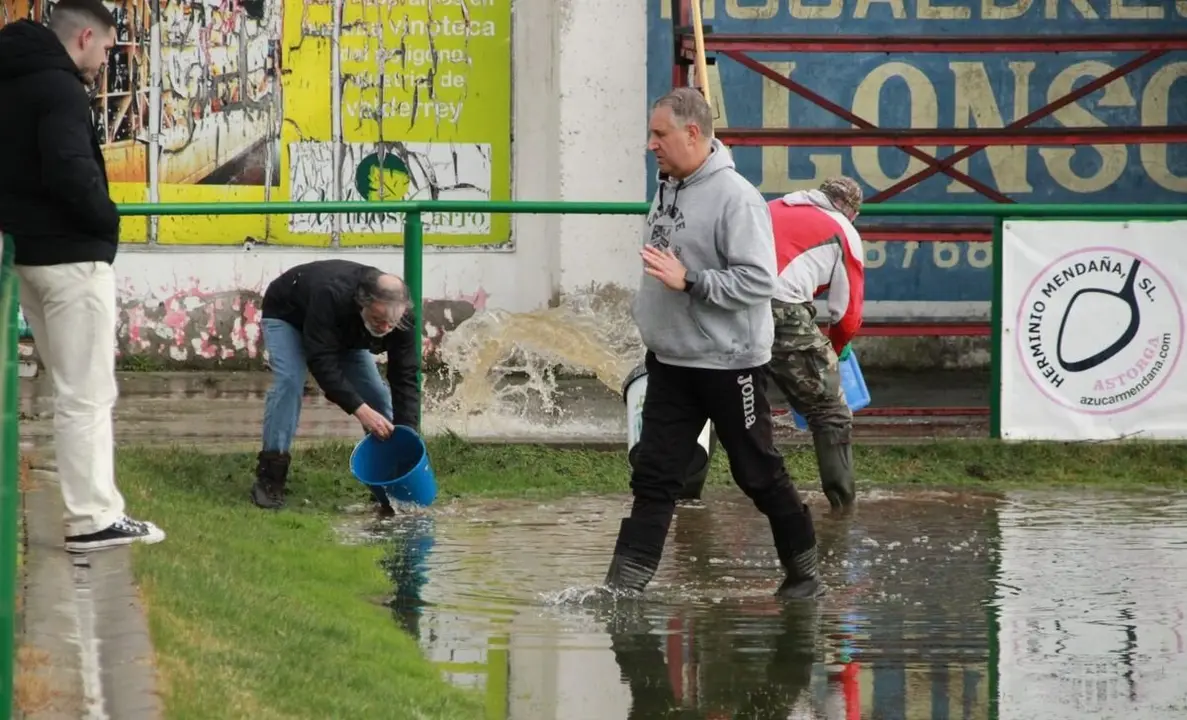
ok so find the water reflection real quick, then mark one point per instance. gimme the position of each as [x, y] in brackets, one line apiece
[407, 564]
[1107, 610]
[940, 606]
[767, 678]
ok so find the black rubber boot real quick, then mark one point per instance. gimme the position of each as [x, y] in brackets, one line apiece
[795, 543]
[637, 554]
[803, 580]
[272, 469]
[834, 458]
[381, 504]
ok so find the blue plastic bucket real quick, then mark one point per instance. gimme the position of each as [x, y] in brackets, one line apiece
[857, 395]
[400, 465]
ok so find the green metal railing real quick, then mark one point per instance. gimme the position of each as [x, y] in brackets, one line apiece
[414, 232]
[10, 473]
[414, 277]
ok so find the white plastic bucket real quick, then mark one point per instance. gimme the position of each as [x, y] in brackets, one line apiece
[634, 391]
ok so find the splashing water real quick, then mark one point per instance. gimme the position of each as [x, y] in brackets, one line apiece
[506, 364]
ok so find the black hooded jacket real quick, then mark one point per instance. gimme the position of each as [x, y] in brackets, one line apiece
[318, 298]
[54, 199]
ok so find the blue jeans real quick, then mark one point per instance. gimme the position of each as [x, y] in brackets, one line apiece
[282, 405]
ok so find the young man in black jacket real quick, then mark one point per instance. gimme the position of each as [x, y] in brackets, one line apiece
[55, 205]
[329, 316]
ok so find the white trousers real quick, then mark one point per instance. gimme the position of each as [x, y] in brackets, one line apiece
[71, 310]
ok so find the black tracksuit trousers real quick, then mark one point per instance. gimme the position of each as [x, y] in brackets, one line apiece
[679, 400]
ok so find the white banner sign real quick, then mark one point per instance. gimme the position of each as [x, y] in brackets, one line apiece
[1093, 330]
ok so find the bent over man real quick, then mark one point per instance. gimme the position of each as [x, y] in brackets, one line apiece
[329, 317]
[704, 313]
[818, 249]
[54, 203]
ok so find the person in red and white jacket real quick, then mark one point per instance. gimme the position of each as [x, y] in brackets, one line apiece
[818, 249]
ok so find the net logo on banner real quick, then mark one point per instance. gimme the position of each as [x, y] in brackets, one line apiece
[1093, 319]
[1100, 329]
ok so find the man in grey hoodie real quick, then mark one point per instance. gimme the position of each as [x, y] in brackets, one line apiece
[704, 312]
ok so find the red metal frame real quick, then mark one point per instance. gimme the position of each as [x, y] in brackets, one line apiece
[971, 141]
[947, 44]
[925, 329]
[906, 233]
[823, 102]
[981, 138]
[1139, 136]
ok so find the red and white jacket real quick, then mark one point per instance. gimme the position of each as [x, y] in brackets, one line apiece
[818, 249]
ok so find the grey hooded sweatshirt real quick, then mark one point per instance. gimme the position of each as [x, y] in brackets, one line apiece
[718, 224]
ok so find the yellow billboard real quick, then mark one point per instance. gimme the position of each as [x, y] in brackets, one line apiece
[267, 100]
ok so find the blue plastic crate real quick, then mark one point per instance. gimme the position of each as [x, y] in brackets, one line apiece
[854, 385]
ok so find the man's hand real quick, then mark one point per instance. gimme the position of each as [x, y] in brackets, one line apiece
[373, 422]
[664, 266]
[845, 352]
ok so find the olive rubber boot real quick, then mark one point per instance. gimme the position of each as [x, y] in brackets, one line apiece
[636, 555]
[272, 469]
[834, 458]
[795, 543]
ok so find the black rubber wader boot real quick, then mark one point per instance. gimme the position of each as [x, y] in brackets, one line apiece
[272, 469]
[834, 458]
[637, 554]
[795, 543]
[381, 504]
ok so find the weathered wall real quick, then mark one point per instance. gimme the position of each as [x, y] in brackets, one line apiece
[351, 99]
[281, 100]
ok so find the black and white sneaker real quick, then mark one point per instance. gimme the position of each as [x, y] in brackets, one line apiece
[124, 531]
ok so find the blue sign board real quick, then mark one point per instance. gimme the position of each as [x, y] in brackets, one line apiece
[917, 90]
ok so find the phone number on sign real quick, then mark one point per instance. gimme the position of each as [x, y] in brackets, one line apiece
[944, 255]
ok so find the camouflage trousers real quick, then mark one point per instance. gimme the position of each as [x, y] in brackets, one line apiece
[805, 368]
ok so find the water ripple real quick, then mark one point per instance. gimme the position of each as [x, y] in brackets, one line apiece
[1070, 605]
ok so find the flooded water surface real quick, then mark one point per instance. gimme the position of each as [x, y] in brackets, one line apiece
[941, 606]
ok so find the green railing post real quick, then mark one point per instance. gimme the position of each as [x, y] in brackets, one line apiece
[10, 470]
[414, 240]
[996, 341]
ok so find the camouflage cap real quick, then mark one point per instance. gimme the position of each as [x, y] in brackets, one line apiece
[843, 191]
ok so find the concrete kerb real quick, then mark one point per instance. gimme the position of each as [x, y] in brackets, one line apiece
[83, 623]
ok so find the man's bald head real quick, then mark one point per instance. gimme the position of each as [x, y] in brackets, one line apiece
[383, 301]
[392, 287]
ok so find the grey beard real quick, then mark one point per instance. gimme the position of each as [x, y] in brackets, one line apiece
[373, 331]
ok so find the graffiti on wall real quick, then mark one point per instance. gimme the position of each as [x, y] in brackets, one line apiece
[186, 324]
[263, 100]
[218, 95]
[185, 321]
[905, 90]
